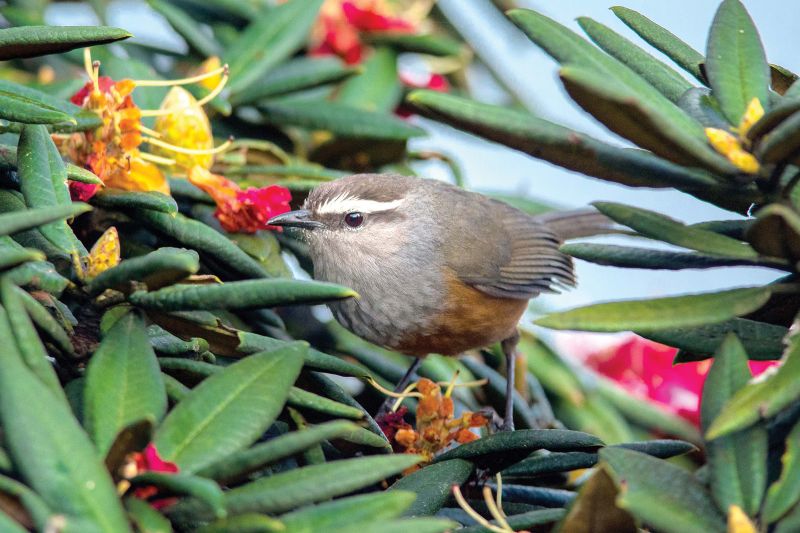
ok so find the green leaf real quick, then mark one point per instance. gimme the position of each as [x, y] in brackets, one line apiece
[117, 199]
[310, 484]
[784, 493]
[39, 275]
[18, 108]
[31, 41]
[123, 382]
[32, 503]
[700, 104]
[303, 399]
[38, 184]
[158, 268]
[522, 442]
[595, 415]
[14, 222]
[663, 495]
[667, 81]
[762, 341]
[187, 28]
[244, 523]
[763, 398]
[417, 525]
[271, 38]
[30, 346]
[429, 43]
[145, 518]
[566, 47]
[663, 40]
[377, 87]
[574, 150]
[782, 142]
[238, 465]
[660, 313]
[295, 75]
[374, 507]
[663, 228]
[738, 462]
[50, 450]
[341, 120]
[774, 117]
[736, 64]
[211, 244]
[650, 258]
[433, 485]
[248, 294]
[627, 115]
[8, 159]
[182, 484]
[229, 410]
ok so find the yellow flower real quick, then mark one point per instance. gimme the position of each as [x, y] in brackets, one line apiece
[738, 521]
[212, 64]
[188, 129]
[752, 114]
[729, 146]
[104, 254]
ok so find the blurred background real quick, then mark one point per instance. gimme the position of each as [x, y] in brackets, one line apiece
[530, 76]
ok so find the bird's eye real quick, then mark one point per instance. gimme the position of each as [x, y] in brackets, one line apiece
[354, 219]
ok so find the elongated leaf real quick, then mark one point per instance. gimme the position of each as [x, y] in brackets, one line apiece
[268, 40]
[782, 142]
[303, 399]
[650, 258]
[186, 26]
[236, 466]
[39, 275]
[762, 341]
[737, 463]
[774, 117]
[11, 258]
[763, 398]
[574, 150]
[247, 294]
[182, 484]
[30, 41]
[123, 382]
[145, 518]
[375, 507]
[27, 340]
[660, 313]
[8, 159]
[597, 416]
[158, 268]
[50, 450]
[339, 119]
[522, 442]
[700, 104]
[661, 494]
[292, 489]
[433, 485]
[431, 44]
[622, 112]
[295, 75]
[114, 199]
[663, 228]
[567, 47]
[18, 108]
[210, 243]
[663, 40]
[229, 410]
[785, 492]
[33, 504]
[418, 525]
[11, 223]
[667, 81]
[736, 64]
[377, 87]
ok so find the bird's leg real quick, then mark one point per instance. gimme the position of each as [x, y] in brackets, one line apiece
[401, 385]
[509, 347]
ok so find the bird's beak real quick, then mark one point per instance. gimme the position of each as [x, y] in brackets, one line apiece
[295, 219]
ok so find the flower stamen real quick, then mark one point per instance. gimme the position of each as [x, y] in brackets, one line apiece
[462, 502]
[182, 81]
[405, 394]
[188, 151]
[390, 393]
[207, 98]
[157, 159]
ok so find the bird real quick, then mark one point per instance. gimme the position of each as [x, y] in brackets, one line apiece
[438, 268]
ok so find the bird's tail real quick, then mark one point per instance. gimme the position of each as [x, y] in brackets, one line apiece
[578, 223]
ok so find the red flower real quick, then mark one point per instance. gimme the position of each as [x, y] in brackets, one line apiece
[341, 23]
[82, 192]
[241, 211]
[149, 461]
[644, 368]
[421, 80]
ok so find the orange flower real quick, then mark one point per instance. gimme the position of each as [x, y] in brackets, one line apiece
[436, 427]
[241, 211]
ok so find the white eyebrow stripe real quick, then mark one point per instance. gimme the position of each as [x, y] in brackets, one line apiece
[346, 204]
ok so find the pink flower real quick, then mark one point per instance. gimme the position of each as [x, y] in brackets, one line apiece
[644, 368]
[149, 461]
[82, 192]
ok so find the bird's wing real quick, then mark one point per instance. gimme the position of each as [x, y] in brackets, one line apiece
[510, 254]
